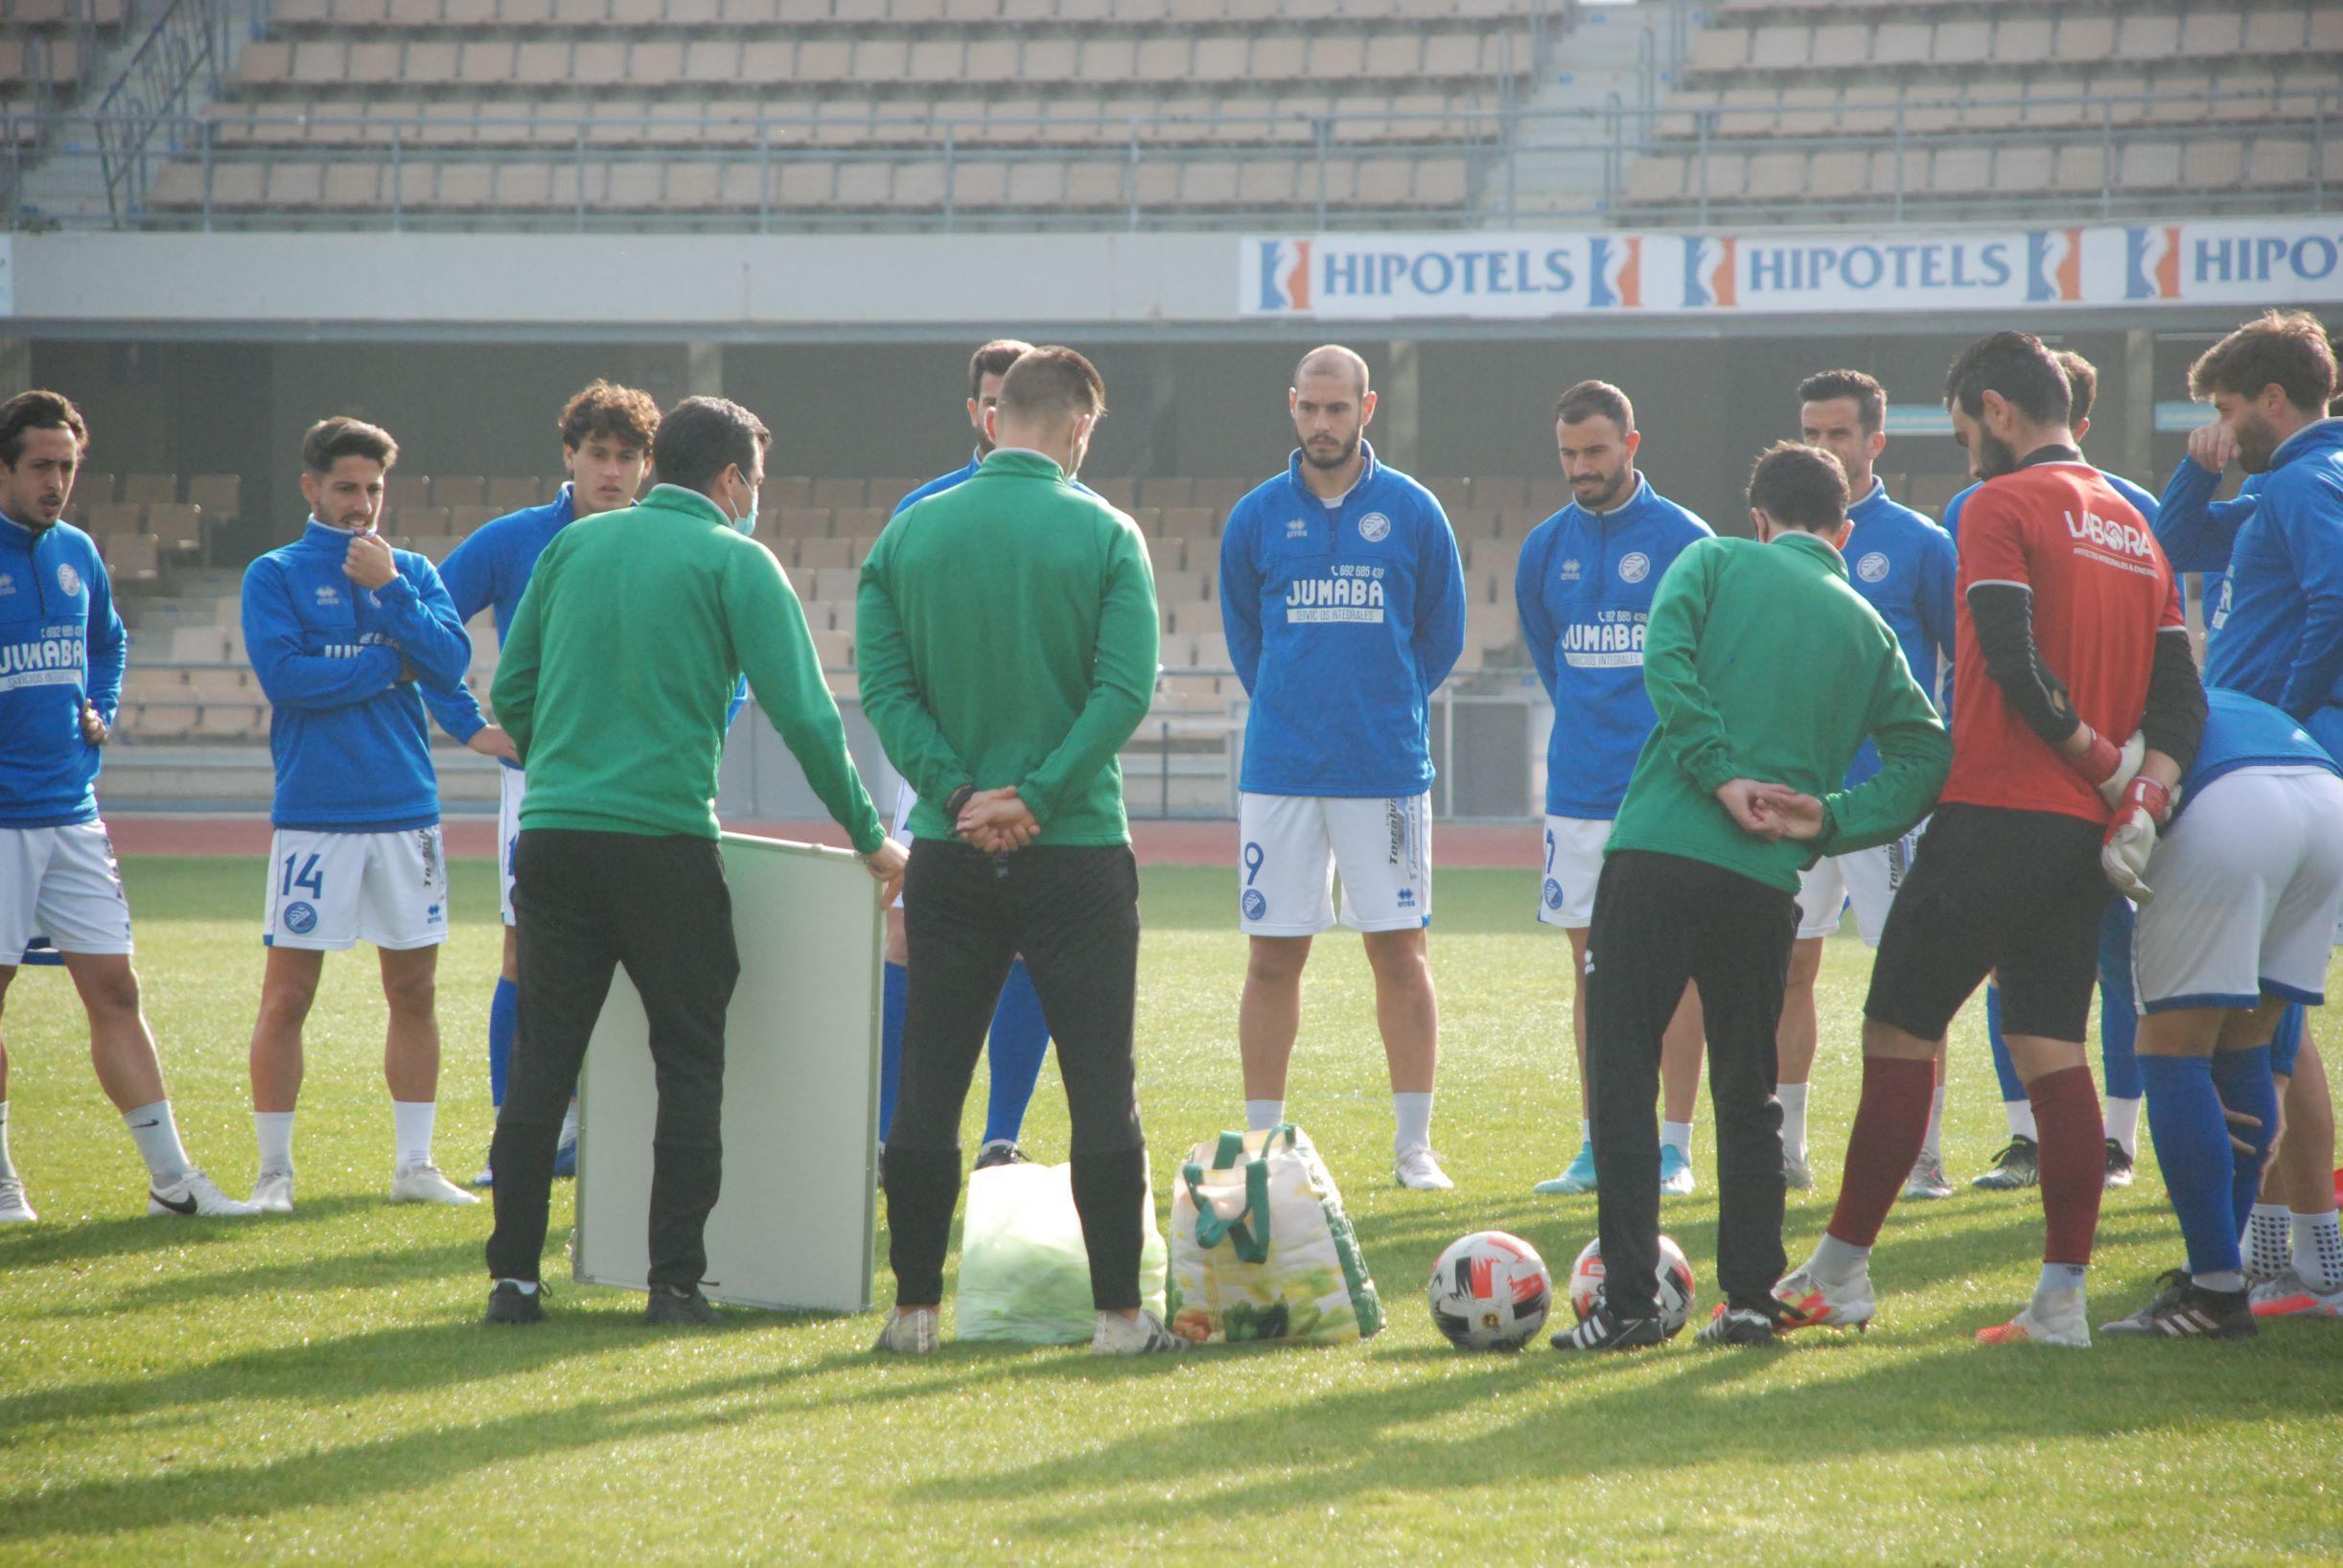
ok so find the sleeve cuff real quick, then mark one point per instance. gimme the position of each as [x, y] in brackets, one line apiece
[870, 839]
[1035, 802]
[398, 591]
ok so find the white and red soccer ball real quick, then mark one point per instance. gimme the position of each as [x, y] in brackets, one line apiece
[1490, 1291]
[1676, 1288]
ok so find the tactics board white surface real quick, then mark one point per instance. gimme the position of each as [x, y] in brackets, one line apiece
[793, 1224]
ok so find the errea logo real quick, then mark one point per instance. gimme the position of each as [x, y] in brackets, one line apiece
[1571, 572]
[1297, 528]
[326, 594]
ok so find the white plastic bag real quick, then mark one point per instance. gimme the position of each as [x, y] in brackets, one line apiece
[1024, 1272]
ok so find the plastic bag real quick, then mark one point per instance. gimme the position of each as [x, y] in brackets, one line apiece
[1260, 1248]
[1024, 1272]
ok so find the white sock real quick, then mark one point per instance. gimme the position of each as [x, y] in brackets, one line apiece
[1676, 1134]
[527, 1287]
[2265, 1240]
[411, 1122]
[2059, 1277]
[1837, 1262]
[157, 1137]
[2223, 1280]
[1586, 1133]
[2123, 1116]
[7, 1167]
[1261, 1115]
[2318, 1252]
[570, 1122]
[273, 1131]
[1932, 1145]
[1414, 1116]
[1793, 1097]
[2021, 1115]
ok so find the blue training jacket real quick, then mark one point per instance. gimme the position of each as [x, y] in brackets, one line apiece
[1341, 623]
[2198, 533]
[352, 754]
[2241, 733]
[60, 644]
[491, 568]
[2281, 637]
[1584, 587]
[1904, 567]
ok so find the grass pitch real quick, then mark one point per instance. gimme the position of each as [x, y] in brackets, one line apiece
[319, 1386]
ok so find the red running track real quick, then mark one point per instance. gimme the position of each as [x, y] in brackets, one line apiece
[1469, 845]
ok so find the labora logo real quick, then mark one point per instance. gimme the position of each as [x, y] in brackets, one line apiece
[2110, 534]
[1285, 276]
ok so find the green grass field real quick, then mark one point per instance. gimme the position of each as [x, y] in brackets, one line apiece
[321, 1387]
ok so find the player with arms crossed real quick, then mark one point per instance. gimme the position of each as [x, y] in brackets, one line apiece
[341, 629]
[606, 435]
[1019, 1041]
[1343, 593]
[2279, 637]
[1584, 587]
[2069, 634]
[62, 651]
[2238, 904]
[1902, 566]
[1767, 674]
[2016, 1163]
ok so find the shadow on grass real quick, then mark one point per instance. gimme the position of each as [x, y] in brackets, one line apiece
[33, 1246]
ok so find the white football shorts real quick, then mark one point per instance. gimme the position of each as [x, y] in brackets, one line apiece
[2247, 884]
[1291, 848]
[62, 883]
[328, 891]
[1573, 865]
[1868, 879]
[906, 800]
[512, 788]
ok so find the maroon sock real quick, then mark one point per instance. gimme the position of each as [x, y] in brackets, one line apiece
[2073, 1155]
[1890, 1123]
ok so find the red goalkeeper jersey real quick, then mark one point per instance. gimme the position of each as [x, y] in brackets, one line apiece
[2101, 592]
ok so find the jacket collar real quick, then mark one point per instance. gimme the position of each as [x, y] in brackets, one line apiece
[1367, 472]
[325, 536]
[1874, 501]
[2052, 453]
[2286, 451]
[1643, 487]
[1021, 461]
[689, 502]
[19, 536]
[1815, 545]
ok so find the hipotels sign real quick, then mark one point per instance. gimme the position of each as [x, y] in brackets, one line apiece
[1488, 276]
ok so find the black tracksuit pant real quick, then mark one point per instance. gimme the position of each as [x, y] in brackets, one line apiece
[1072, 911]
[1662, 921]
[587, 903]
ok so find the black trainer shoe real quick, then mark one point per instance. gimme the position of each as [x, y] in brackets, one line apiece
[2184, 1310]
[2018, 1165]
[2119, 1165]
[1737, 1326]
[670, 1305]
[1000, 1152]
[508, 1303]
[1599, 1331]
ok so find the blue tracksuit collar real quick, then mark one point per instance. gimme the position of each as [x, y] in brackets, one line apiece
[2318, 436]
[1366, 474]
[1874, 501]
[321, 535]
[1626, 511]
[17, 535]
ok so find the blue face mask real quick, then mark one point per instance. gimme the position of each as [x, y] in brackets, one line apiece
[748, 524]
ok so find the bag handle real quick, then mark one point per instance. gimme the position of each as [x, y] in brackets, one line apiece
[1247, 1230]
[1230, 1149]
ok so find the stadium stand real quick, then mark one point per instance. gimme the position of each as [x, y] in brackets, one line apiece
[1954, 108]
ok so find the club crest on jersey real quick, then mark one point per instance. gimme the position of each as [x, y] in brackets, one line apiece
[1553, 894]
[1255, 906]
[1871, 568]
[67, 578]
[1374, 527]
[1635, 566]
[300, 917]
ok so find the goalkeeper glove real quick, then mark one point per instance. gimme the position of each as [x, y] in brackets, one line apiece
[2145, 806]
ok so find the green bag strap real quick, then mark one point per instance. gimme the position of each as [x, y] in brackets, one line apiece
[1248, 1232]
[1231, 1149]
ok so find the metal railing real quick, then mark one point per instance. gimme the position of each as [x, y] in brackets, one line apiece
[174, 70]
[1454, 168]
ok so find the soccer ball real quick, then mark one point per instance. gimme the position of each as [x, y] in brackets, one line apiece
[1490, 1291]
[1675, 1286]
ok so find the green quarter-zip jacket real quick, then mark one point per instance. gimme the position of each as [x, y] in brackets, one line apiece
[1006, 636]
[1762, 662]
[619, 663]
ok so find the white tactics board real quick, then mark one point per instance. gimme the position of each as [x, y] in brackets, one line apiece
[793, 1224]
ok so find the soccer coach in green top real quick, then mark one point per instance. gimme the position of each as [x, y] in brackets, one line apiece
[1006, 641]
[616, 676]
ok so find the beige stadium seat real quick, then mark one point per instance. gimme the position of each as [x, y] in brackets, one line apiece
[162, 721]
[2084, 37]
[176, 526]
[109, 519]
[1961, 171]
[149, 487]
[2278, 161]
[2276, 33]
[2023, 40]
[191, 645]
[264, 62]
[2211, 34]
[2147, 38]
[229, 721]
[400, 490]
[1780, 47]
[223, 684]
[511, 493]
[1656, 178]
[468, 520]
[1775, 176]
[2020, 172]
[2213, 163]
[2079, 171]
[220, 495]
[132, 557]
[1721, 49]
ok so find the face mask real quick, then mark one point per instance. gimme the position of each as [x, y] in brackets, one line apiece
[748, 524]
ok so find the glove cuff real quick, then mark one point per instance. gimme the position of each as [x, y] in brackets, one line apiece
[2150, 797]
[2101, 761]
